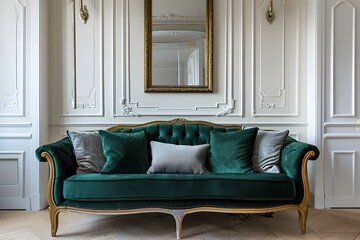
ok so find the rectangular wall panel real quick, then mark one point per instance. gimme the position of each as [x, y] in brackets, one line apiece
[343, 27]
[11, 172]
[343, 164]
[342, 172]
[83, 59]
[341, 103]
[131, 100]
[276, 56]
[12, 42]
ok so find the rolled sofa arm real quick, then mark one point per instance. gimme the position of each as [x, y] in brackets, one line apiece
[62, 162]
[294, 158]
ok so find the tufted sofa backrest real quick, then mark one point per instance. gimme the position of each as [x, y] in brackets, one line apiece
[176, 133]
[180, 134]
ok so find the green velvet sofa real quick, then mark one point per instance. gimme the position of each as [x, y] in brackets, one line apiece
[177, 194]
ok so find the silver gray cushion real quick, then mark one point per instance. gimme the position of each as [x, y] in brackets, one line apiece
[171, 158]
[267, 148]
[88, 151]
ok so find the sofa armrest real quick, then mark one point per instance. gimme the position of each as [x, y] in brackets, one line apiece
[62, 162]
[294, 158]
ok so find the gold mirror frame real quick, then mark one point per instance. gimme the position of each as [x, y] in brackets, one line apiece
[208, 86]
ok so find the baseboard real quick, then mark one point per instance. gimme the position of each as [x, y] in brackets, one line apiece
[38, 201]
[15, 203]
[319, 202]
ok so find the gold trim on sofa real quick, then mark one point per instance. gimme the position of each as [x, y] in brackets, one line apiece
[178, 214]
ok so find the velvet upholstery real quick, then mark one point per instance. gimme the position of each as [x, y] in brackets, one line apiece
[137, 187]
[232, 152]
[65, 164]
[124, 152]
[292, 154]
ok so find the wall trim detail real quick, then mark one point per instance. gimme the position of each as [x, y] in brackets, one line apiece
[91, 103]
[228, 109]
[332, 175]
[15, 135]
[333, 113]
[266, 101]
[12, 104]
[20, 201]
[272, 101]
[127, 110]
[342, 135]
[126, 105]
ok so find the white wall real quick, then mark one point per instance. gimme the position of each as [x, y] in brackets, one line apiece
[262, 77]
[22, 184]
[259, 69]
[341, 105]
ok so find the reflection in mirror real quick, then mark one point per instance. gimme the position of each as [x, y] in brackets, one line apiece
[178, 46]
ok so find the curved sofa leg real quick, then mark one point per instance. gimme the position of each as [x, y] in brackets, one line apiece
[303, 214]
[178, 216]
[54, 220]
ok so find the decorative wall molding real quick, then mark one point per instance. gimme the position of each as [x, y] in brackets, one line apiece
[262, 100]
[126, 110]
[128, 105]
[87, 70]
[15, 125]
[333, 64]
[272, 101]
[84, 102]
[16, 188]
[13, 101]
[15, 135]
[12, 94]
[342, 135]
[227, 109]
[332, 174]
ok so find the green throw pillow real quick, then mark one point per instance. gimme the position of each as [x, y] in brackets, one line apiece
[124, 152]
[231, 152]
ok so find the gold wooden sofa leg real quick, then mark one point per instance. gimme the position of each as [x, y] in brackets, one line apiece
[54, 220]
[178, 216]
[303, 214]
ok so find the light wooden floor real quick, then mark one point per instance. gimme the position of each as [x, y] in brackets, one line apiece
[322, 224]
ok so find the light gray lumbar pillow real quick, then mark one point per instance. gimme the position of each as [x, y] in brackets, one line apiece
[267, 148]
[171, 158]
[88, 151]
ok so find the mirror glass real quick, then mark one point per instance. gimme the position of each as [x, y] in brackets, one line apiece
[178, 45]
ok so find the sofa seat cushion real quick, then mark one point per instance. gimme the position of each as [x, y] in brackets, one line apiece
[125, 187]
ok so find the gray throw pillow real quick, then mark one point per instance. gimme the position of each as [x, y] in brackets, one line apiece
[171, 158]
[88, 151]
[267, 148]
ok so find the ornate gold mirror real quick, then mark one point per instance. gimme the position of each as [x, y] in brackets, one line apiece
[178, 45]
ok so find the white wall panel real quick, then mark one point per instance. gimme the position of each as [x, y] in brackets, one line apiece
[341, 131]
[82, 45]
[342, 168]
[130, 98]
[276, 56]
[12, 185]
[343, 58]
[12, 42]
[342, 54]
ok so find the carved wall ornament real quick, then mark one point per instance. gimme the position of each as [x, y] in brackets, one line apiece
[228, 109]
[127, 110]
[88, 102]
[272, 101]
[14, 100]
